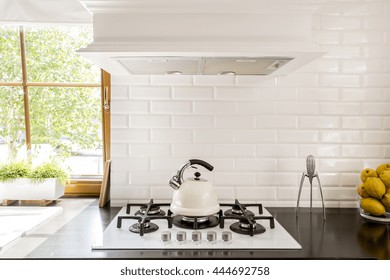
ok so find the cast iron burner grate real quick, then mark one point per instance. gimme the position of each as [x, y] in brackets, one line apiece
[147, 212]
[196, 222]
[246, 219]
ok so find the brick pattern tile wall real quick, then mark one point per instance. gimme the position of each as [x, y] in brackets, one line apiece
[257, 131]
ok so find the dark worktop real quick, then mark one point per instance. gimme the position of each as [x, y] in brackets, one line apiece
[344, 235]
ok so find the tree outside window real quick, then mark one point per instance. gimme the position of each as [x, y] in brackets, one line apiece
[63, 89]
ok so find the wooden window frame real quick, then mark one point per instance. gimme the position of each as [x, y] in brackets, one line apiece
[77, 187]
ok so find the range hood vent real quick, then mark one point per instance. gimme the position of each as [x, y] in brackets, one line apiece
[202, 37]
[202, 66]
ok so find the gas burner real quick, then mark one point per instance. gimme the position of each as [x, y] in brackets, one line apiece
[246, 219]
[196, 222]
[148, 209]
[240, 209]
[245, 228]
[147, 227]
[146, 213]
[153, 210]
[236, 210]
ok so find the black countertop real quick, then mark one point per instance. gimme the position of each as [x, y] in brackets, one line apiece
[344, 235]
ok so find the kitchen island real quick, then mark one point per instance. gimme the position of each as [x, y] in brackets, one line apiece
[344, 235]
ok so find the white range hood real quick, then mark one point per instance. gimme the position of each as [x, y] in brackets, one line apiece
[202, 37]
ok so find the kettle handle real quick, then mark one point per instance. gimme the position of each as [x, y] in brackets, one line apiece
[206, 165]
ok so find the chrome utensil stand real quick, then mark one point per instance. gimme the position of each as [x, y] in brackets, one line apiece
[311, 173]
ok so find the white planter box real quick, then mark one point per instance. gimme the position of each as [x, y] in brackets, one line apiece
[24, 189]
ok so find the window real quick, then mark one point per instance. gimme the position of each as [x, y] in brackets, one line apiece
[50, 99]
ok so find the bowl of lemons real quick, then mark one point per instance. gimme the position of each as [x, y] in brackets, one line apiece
[374, 194]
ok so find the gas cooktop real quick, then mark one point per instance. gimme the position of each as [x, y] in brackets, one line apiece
[235, 227]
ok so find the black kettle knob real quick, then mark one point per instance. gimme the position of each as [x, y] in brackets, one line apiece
[197, 175]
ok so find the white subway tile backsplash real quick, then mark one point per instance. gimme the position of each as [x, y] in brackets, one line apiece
[276, 150]
[225, 194]
[130, 80]
[258, 194]
[277, 179]
[234, 179]
[376, 137]
[361, 94]
[259, 81]
[376, 80]
[171, 135]
[298, 136]
[318, 122]
[340, 165]
[146, 179]
[376, 51]
[255, 108]
[213, 136]
[150, 150]
[193, 93]
[323, 151]
[255, 164]
[234, 150]
[318, 94]
[234, 93]
[129, 106]
[163, 193]
[359, 151]
[235, 122]
[123, 135]
[193, 150]
[276, 122]
[258, 130]
[119, 150]
[132, 164]
[276, 94]
[120, 92]
[326, 37]
[171, 107]
[361, 37]
[255, 136]
[150, 121]
[333, 136]
[361, 122]
[340, 23]
[214, 107]
[376, 108]
[361, 66]
[291, 164]
[170, 80]
[119, 121]
[339, 81]
[340, 108]
[146, 93]
[213, 80]
[297, 108]
[298, 80]
[193, 121]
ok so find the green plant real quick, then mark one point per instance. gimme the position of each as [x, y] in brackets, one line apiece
[14, 170]
[48, 170]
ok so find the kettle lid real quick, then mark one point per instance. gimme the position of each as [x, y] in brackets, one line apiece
[197, 178]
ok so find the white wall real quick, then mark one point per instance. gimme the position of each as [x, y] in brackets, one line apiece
[257, 131]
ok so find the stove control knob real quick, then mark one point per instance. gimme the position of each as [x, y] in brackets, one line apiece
[181, 236]
[211, 236]
[226, 236]
[196, 235]
[166, 236]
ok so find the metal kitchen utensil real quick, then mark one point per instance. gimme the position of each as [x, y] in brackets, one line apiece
[310, 173]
